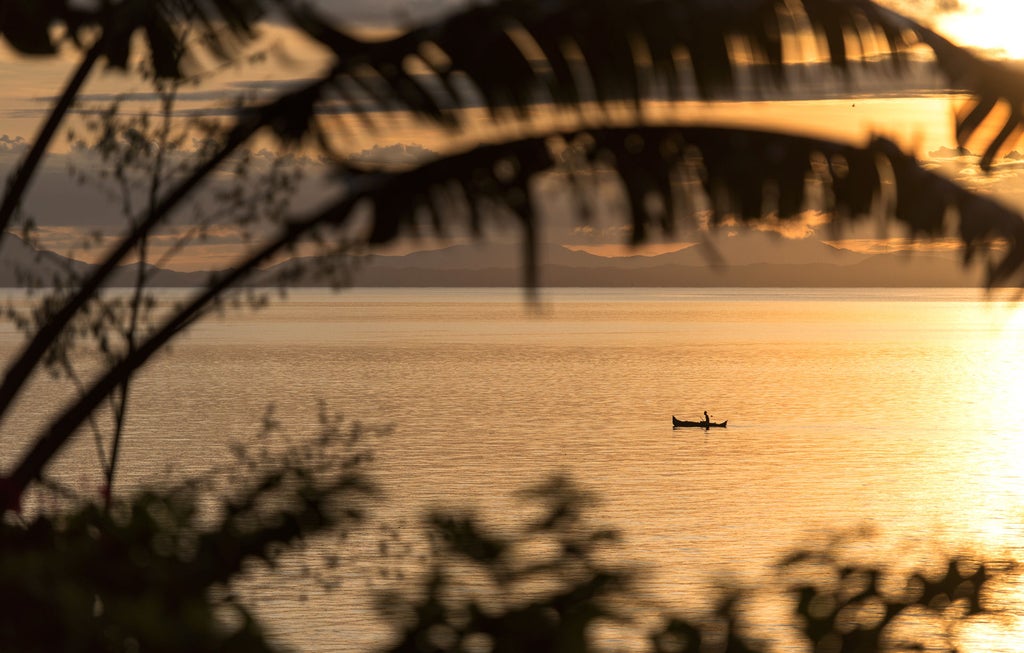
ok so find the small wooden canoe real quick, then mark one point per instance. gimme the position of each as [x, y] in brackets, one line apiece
[678, 423]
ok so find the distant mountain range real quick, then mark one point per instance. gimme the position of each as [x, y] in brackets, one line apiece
[752, 260]
[22, 265]
[493, 266]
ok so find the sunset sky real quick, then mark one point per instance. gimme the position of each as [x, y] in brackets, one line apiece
[910, 112]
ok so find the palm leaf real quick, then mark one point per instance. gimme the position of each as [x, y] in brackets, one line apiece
[993, 83]
[26, 23]
[744, 175]
[517, 52]
[512, 55]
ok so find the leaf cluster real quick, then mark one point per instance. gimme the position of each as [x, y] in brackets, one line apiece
[154, 571]
[548, 584]
[542, 588]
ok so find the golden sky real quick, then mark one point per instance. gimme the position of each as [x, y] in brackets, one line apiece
[991, 25]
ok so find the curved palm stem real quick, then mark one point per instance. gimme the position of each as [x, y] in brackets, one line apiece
[19, 181]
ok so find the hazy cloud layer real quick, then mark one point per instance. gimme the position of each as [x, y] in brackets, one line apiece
[75, 188]
[398, 154]
[12, 144]
[68, 211]
[920, 8]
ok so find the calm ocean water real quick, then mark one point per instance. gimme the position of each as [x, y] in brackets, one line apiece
[899, 410]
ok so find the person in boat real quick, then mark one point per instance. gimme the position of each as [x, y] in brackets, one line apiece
[707, 420]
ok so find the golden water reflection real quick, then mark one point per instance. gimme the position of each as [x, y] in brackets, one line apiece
[894, 411]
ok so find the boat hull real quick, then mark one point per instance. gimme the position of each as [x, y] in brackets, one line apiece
[678, 423]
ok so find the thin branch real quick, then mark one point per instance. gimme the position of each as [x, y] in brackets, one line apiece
[18, 183]
[21, 368]
[156, 176]
[61, 429]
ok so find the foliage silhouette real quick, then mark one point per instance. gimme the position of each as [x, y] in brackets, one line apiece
[481, 593]
[591, 61]
[509, 613]
[153, 571]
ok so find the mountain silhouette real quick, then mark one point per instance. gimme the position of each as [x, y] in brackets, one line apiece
[753, 259]
[22, 265]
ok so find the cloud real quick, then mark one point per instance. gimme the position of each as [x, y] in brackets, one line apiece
[398, 154]
[798, 228]
[897, 244]
[949, 152]
[12, 144]
[928, 7]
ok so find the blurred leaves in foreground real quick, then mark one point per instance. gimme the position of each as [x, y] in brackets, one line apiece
[154, 572]
[556, 583]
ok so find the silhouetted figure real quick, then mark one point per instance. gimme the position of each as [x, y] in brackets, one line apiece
[707, 420]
